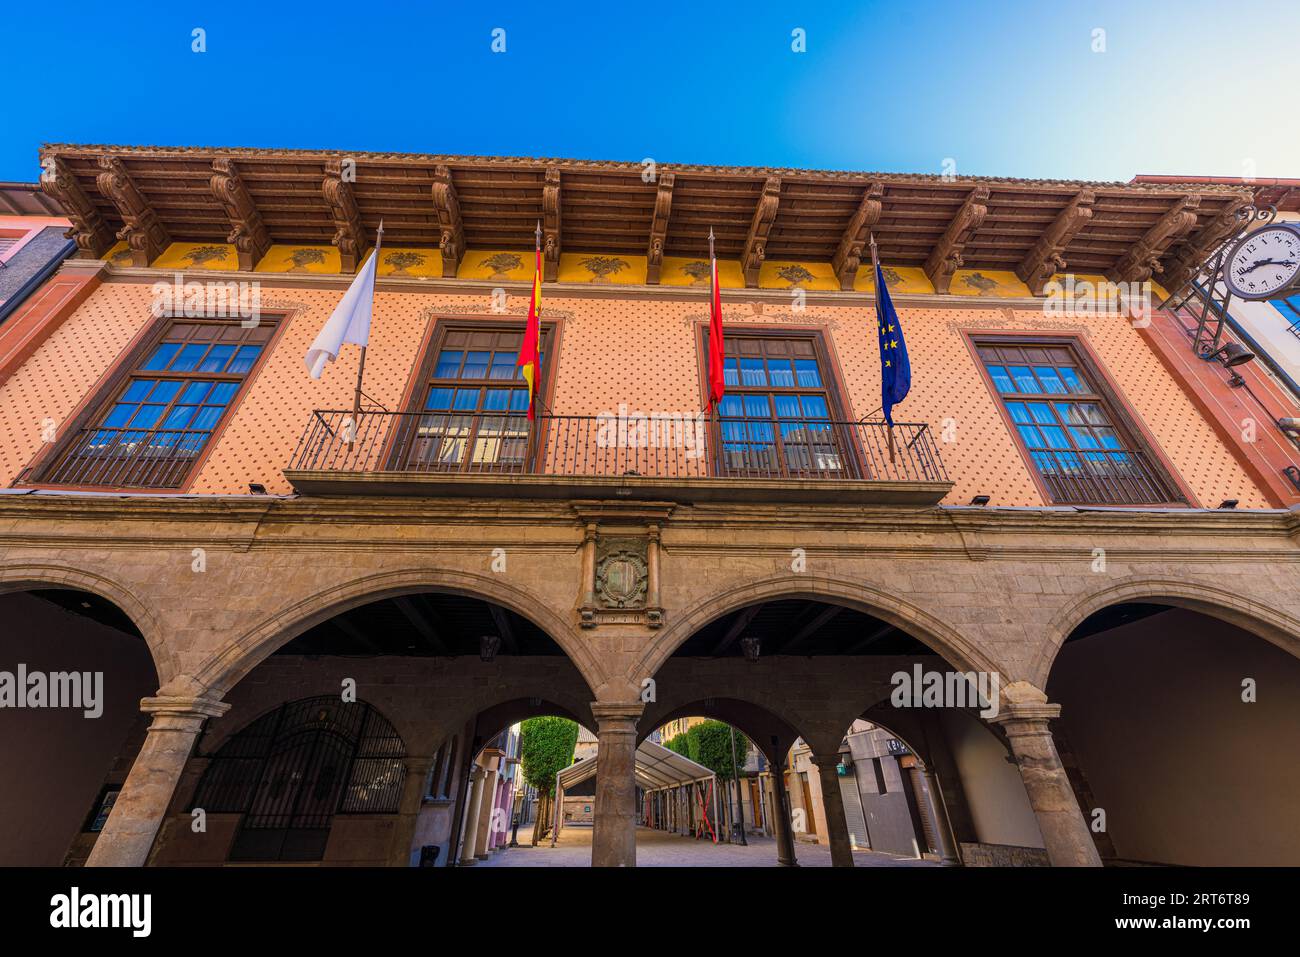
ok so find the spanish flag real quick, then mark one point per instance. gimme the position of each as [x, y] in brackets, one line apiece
[529, 358]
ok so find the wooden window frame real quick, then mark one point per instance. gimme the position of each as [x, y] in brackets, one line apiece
[397, 454]
[113, 385]
[832, 387]
[1123, 419]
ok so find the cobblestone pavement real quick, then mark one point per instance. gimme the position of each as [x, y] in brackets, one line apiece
[660, 849]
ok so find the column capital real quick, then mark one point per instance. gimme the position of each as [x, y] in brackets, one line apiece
[1020, 703]
[1019, 715]
[183, 706]
[826, 760]
[618, 712]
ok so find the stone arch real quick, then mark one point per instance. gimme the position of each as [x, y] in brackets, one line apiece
[943, 639]
[32, 575]
[220, 672]
[1275, 626]
[500, 715]
[724, 709]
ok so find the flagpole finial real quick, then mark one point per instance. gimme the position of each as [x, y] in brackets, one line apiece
[710, 242]
[538, 234]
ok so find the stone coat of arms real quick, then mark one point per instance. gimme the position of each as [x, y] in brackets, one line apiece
[622, 575]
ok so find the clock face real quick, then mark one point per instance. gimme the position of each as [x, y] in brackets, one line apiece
[1263, 263]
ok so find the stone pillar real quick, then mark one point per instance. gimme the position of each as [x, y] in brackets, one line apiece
[129, 832]
[781, 815]
[1024, 715]
[613, 841]
[472, 809]
[837, 827]
[414, 789]
[483, 843]
[587, 600]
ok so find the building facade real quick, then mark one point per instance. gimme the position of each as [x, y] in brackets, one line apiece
[1070, 507]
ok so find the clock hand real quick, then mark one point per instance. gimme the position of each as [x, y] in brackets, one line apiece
[1267, 262]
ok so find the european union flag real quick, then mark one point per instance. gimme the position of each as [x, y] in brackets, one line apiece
[895, 367]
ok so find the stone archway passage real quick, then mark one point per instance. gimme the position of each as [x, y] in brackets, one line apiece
[1179, 733]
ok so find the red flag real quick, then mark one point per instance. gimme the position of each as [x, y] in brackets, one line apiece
[717, 380]
[528, 354]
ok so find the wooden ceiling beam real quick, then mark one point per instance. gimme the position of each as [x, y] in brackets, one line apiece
[659, 227]
[1047, 256]
[740, 623]
[355, 634]
[502, 622]
[1143, 257]
[551, 224]
[810, 628]
[848, 255]
[451, 230]
[349, 236]
[415, 610]
[864, 643]
[945, 258]
[143, 231]
[247, 231]
[91, 233]
[754, 251]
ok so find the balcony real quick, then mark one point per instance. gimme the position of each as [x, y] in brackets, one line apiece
[639, 458]
[104, 457]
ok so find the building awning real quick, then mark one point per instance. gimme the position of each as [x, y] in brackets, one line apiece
[656, 767]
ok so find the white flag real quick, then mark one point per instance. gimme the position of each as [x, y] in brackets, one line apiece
[350, 321]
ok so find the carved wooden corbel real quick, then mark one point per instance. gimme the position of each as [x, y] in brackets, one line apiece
[143, 231]
[349, 237]
[1143, 259]
[551, 225]
[451, 237]
[659, 228]
[945, 259]
[848, 257]
[1047, 256]
[92, 235]
[1188, 258]
[755, 250]
[247, 231]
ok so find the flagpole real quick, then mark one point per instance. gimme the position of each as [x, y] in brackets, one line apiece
[537, 358]
[875, 267]
[361, 364]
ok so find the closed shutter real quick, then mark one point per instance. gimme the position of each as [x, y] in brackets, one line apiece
[853, 816]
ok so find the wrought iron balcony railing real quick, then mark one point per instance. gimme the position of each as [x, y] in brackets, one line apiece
[1101, 477]
[612, 446]
[127, 458]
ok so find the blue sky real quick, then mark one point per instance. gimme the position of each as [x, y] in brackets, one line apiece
[1006, 89]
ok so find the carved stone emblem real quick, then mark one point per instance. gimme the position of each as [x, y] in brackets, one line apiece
[621, 579]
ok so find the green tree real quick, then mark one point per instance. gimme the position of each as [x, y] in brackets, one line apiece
[709, 744]
[545, 748]
[679, 744]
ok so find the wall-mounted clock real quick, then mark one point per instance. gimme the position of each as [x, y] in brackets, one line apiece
[1265, 263]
